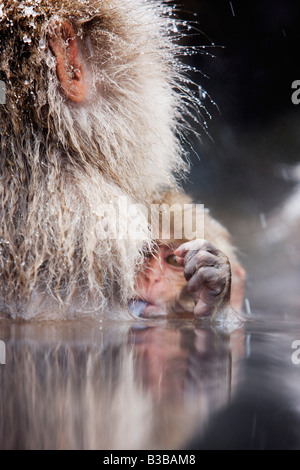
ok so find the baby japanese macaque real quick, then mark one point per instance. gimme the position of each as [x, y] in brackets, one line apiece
[200, 277]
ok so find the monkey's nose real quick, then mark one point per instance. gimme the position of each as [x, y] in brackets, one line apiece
[153, 276]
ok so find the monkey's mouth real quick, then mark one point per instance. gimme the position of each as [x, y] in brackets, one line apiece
[142, 309]
[136, 307]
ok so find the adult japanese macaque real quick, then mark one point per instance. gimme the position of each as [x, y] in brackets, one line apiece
[202, 278]
[92, 114]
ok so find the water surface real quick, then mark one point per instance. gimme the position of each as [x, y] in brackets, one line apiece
[90, 385]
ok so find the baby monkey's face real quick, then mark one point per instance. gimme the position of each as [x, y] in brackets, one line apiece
[192, 278]
[161, 281]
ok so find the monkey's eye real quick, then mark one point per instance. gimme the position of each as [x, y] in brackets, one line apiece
[171, 259]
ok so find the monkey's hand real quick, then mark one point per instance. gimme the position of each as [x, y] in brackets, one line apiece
[208, 273]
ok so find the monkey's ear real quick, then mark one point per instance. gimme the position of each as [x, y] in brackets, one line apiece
[70, 67]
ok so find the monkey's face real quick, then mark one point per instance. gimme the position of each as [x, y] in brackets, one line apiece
[161, 281]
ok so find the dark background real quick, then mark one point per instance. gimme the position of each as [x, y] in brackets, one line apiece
[241, 169]
[250, 79]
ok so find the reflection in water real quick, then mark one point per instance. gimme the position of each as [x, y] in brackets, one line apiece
[264, 414]
[118, 386]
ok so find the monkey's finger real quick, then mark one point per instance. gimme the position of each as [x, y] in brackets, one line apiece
[211, 278]
[195, 245]
[199, 260]
[189, 249]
